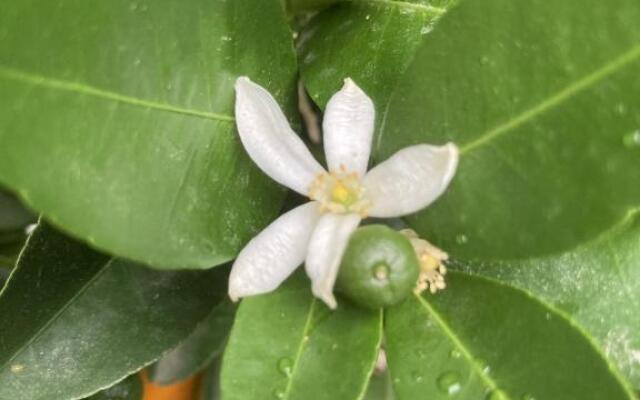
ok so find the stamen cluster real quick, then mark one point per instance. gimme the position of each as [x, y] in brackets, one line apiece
[431, 258]
[340, 192]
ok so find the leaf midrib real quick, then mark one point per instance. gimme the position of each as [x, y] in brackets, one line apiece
[300, 350]
[559, 97]
[57, 314]
[558, 312]
[491, 384]
[12, 74]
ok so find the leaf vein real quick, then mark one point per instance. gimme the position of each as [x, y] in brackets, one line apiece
[559, 97]
[301, 346]
[55, 316]
[458, 343]
[76, 87]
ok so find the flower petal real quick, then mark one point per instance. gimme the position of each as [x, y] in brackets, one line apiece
[269, 140]
[348, 129]
[269, 258]
[410, 180]
[326, 247]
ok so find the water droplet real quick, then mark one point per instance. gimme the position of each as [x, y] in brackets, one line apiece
[17, 368]
[449, 383]
[632, 140]
[621, 108]
[137, 62]
[528, 396]
[381, 272]
[495, 395]
[367, 17]
[484, 366]
[462, 238]
[285, 366]
[278, 393]
[422, 354]
[547, 316]
[484, 60]
[426, 29]
[133, 6]
[417, 376]
[455, 353]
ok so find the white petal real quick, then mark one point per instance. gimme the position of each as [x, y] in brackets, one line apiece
[348, 129]
[269, 140]
[327, 245]
[410, 180]
[269, 258]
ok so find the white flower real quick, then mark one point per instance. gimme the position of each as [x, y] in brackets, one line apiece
[317, 232]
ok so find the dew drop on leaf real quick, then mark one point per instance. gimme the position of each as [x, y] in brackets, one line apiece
[455, 353]
[528, 396]
[621, 108]
[417, 377]
[632, 140]
[449, 383]
[461, 238]
[285, 366]
[278, 393]
[484, 366]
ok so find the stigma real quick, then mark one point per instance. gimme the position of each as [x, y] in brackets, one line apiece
[340, 192]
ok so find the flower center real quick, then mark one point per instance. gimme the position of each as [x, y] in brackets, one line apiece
[339, 192]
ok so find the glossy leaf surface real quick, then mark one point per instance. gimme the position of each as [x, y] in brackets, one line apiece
[288, 345]
[116, 121]
[597, 284]
[380, 387]
[547, 126]
[128, 389]
[480, 338]
[13, 215]
[204, 344]
[74, 321]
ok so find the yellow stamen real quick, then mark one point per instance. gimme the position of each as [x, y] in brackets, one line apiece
[339, 192]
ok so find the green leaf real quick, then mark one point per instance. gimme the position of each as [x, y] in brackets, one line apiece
[288, 345]
[383, 34]
[480, 338]
[294, 6]
[127, 389]
[4, 274]
[545, 123]
[13, 216]
[204, 344]
[597, 284]
[116, 121]
[73, 321]
[380, 387]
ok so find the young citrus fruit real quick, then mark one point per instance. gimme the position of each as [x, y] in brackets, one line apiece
[379, 267]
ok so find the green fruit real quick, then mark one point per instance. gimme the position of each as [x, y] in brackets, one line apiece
[379, 267]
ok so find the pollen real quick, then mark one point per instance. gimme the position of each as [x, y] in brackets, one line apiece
[431, 259]
[339, 192]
